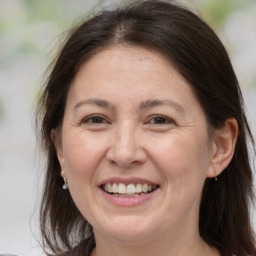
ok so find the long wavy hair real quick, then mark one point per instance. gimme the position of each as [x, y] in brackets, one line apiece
[200, 57]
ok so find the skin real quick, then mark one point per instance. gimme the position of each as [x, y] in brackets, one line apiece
[123, 134]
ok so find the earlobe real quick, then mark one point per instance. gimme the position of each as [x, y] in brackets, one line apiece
[223, 148]
[53, 135]
[57, 147]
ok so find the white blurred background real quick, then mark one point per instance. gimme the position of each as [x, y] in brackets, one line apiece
[29, 29]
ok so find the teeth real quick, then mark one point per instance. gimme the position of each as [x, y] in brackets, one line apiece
[128, 195]
[109, 188]
[131, 190]
[114, 188]
[121, 188]
[145, 188]
[138, 188]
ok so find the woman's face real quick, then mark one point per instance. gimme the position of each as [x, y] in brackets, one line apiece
[134, 146]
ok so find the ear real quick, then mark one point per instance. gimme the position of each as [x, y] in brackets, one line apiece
[58, 147]
[223, 147]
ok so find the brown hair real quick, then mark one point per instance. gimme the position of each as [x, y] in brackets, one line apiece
[202, 60]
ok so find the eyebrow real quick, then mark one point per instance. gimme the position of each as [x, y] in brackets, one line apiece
[143, 105]
[153, 103]
[98, 102]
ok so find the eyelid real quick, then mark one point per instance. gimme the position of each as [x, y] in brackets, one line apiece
[105, 120]
[168, 119]
[89, 117]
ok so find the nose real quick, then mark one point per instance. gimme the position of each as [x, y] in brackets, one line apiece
[126, 148]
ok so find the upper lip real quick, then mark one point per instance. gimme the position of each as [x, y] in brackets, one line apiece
[127, 181]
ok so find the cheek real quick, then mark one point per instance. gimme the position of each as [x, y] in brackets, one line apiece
[82, 155]
[182, 160]
[183, 165]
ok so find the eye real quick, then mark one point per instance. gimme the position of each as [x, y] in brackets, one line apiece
[95, 119]
[160, 120]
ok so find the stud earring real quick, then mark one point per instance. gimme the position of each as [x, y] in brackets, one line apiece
[216, 179]
[216, 175]
[65, 185]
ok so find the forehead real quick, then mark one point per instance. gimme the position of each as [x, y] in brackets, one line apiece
[123, 59]
[128, 66]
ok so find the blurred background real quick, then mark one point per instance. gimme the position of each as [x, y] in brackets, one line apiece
[29, 32]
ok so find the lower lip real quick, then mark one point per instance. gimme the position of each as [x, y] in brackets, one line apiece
[128, 201]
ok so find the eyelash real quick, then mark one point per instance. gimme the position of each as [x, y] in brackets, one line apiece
[163, 120]
[154, 120]
[89, 119]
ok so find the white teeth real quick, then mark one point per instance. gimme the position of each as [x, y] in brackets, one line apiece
[138, 188]
[114, 188]
[109, 188]
[127, 195]
[145, 188]
[121, 188]
[131, 190]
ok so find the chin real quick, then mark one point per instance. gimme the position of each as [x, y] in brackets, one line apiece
[129, 230]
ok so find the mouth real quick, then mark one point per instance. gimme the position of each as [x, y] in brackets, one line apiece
[129, 190]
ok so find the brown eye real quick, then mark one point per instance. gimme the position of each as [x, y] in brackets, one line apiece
[95, 120]
[160, 120]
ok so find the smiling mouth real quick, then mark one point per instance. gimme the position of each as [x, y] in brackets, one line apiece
[130, 190]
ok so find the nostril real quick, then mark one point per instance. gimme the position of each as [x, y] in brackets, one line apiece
[126, 151]
[124, 163]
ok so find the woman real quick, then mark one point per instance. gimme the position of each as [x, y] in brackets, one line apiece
[143, 122]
